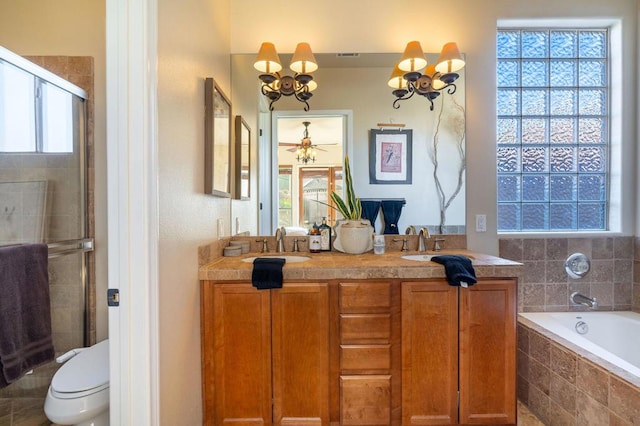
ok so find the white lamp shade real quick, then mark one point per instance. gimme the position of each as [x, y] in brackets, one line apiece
[303, 60]
[413, 58]
[396, 80]
[267, 60]
[450, 59]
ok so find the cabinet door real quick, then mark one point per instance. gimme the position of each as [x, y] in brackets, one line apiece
[488, 353]
[242, 355]
[429, 353]
[300, 315]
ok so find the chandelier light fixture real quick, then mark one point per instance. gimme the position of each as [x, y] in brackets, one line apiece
[306, 151]
[407, 79]
[275, 85]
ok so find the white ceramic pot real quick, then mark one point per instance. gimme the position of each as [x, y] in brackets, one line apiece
[354, 236]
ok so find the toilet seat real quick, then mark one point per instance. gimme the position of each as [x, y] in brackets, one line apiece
[84, 374]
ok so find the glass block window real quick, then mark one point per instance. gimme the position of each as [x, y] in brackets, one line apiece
[552, 129]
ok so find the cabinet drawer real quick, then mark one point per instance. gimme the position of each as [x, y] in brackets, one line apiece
[365, 400]
[365, 358]
[365, 328]
[370, 297]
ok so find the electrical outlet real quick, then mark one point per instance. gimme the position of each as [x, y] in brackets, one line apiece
[481, 223]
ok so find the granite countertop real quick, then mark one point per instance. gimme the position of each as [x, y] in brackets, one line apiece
[337, 265]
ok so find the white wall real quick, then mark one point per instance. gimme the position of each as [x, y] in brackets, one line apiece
[193, 43]
[73, 28]
[337, 26]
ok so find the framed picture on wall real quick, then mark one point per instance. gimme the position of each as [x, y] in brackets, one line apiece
[242, 163]
[217, 144]
[390, 156]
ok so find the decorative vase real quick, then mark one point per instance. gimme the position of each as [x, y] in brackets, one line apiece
[354, 236]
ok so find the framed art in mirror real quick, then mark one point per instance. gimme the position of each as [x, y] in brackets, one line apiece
[217, 145]
[242, 163]
[390, 156]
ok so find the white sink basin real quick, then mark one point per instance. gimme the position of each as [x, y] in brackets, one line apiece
[288, 258]
[418, 257]
[427, 257]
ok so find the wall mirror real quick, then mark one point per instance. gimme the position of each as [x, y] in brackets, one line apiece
[217, 146]
[355, 86]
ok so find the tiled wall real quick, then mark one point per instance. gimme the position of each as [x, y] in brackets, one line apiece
[563, 388]
[545, 286]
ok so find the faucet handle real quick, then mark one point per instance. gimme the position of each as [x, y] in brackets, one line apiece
[265, 247]
[436, 244]
[404, 243]
[295, 244]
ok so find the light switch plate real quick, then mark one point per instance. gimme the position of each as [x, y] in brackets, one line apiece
[481, 223]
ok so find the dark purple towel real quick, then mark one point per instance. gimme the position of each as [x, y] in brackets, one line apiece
[25, 312]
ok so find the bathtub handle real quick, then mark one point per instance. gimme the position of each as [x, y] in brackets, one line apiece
[582, 327]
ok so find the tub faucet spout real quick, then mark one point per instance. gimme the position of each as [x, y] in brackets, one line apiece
[581, 299]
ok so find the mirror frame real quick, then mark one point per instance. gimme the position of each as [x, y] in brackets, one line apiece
[217, 166]
[243, 159]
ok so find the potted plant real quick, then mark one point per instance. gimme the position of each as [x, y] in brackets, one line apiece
[353, 234]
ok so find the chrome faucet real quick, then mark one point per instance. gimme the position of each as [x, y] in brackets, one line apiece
[423, 235]
[436, 244]
[280, 233]
[581, 299]
[411, 230]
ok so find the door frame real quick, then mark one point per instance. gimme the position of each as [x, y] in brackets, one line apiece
[269, 173]
[132, 170]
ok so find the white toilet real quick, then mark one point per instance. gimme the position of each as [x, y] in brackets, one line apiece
[79, 391]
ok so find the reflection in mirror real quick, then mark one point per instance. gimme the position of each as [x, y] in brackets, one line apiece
[310, 152]
[243, 164]
[357, 85]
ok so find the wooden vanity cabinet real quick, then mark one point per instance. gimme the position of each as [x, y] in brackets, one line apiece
[458, 353]
[359, 352]
[265, 354]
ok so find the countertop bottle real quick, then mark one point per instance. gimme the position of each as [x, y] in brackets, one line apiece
[325, 235]
[315, 240]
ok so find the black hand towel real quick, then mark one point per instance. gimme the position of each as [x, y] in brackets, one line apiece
[370, 210]
[267, 273]
[391, 210]
[25, 312]
[459, 269]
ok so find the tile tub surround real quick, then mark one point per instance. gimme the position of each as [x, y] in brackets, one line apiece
[563, 384]
[545, 285]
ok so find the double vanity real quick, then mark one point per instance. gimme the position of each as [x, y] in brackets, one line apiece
[359, 340]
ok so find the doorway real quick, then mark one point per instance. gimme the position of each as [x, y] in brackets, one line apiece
[309, 152]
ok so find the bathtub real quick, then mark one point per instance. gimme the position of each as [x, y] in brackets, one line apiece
[565, 377]
[612, 336]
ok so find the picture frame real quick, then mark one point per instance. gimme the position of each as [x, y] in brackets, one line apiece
[217, 146]
[243, 159]
[390, 156]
